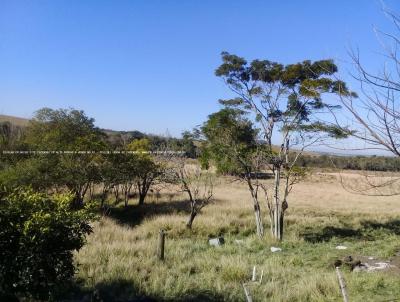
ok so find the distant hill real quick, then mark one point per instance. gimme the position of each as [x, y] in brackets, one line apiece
[113, 135]
[133, 134]
[17, 121]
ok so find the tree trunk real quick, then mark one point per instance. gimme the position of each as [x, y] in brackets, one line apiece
[143, 189]
[126, 199]
[190, 220]
[116, 194]
[104, 194]
[257, 214]
[103, 197]
[277, 217]
[77, 202]
[257, 210]
[126, 191]
[91, 191]
[141, 198]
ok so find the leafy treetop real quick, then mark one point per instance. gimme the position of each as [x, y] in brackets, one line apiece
[64, 129]
[285, 94]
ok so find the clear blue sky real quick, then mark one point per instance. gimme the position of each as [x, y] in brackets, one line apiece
[149, 65]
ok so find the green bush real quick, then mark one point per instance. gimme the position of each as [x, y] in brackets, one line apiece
[38, 235]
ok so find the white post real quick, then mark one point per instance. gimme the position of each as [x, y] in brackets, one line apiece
[342, 285]
[253, 278]
[247, 294]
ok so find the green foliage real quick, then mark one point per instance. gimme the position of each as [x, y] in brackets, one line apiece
[287, 94]
[139, 145]
[188, 145]
[231, 138]
[59, 130]
[63, 129]
[331, 130]
[145, 169]
[120, 168]
[39, 172]
[205, 158]
[38, 235]
[75, 171]
[144, 165]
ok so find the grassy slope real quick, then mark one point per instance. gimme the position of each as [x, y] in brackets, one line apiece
[17, 121]
[119, 258]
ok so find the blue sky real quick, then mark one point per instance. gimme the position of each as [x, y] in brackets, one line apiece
[149, 65]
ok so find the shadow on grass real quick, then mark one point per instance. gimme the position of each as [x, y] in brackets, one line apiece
[115, 290]
[194, 296]
[260, 175]
[126, 291]
[369, 230]
[119, 290]
[391, 226]
[133, 215]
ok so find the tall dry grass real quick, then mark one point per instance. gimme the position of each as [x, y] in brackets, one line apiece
[119, 259]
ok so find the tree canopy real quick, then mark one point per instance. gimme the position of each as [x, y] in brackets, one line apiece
[280, 95]
[230, 137]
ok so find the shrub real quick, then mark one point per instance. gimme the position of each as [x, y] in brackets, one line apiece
[38, 235]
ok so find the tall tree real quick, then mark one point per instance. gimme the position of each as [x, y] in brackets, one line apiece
[286, 101]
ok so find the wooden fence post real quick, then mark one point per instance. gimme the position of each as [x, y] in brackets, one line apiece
[342, 285]
[161, 244]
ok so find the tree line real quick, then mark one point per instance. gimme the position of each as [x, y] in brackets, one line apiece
[366, 163]
[48, 200]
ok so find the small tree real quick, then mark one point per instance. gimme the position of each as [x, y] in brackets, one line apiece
[147, 170]
[116, 175]
[124, 173]
[188, 145]
[196, 183]
[231, 143]
[285, 101]
[66, 130]
[106, 177]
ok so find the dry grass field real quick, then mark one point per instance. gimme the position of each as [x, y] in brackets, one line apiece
[119, 263]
